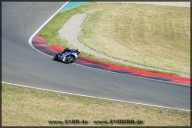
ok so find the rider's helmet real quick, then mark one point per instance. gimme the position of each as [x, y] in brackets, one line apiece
[66, 50]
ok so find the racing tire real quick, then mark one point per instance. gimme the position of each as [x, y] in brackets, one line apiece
[56, 57]
[71, 60]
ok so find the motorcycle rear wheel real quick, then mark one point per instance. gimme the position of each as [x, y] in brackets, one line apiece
[56, 57]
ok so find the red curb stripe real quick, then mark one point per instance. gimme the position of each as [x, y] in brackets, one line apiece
[187, 83]
[142, 72]
[39, 39]
[111, 67]
[41, 45]
[57, 48]
[49, 50]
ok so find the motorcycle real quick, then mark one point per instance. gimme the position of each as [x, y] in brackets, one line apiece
[67, 56]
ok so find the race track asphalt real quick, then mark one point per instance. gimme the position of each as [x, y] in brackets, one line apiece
[21, 64]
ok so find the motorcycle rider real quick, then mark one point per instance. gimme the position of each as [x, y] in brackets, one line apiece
[66, 50]
[69, 50]
[69, 53]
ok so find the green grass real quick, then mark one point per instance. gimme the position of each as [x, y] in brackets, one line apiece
[50, 31]
[23, 106]
[149, 35]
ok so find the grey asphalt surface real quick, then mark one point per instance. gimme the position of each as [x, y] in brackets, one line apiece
[23, 65]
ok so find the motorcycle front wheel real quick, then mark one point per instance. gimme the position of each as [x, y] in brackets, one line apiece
[69, 59]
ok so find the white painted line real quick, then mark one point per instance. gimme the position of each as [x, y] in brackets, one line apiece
[95, 97]
[38, 30]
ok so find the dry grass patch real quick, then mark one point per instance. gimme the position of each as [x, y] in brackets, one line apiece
[31, 107]
[150, 35]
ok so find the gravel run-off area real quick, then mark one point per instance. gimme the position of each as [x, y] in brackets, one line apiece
[72, 28]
